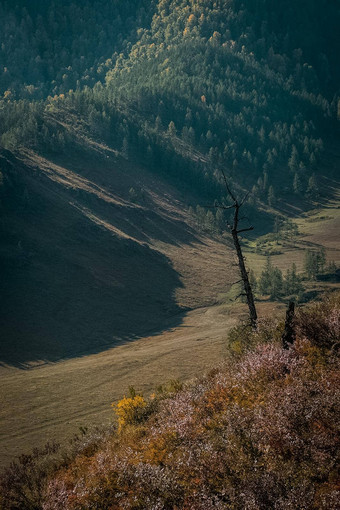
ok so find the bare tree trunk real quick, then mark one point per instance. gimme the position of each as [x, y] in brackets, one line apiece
[246, 285]
[288, 336]
[234, 232]
[244, 274]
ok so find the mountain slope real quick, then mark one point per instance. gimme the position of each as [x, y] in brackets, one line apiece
[83, 264]
[190, 87]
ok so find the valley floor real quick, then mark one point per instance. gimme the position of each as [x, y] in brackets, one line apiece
[53, 400]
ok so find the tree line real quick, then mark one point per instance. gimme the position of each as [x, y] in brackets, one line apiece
[274, 283]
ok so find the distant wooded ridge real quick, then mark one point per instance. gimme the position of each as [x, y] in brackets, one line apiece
[185, 87]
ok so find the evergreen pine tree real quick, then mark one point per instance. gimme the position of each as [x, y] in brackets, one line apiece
[276, 283]
[252, 281]
[297, 184]
[264, 282]
[312, 188]
[293, 161]
[292, 282]
[271, 280]
[172, 129]
[321, 260]
[220, 220]
[271, 196]
[311, 264]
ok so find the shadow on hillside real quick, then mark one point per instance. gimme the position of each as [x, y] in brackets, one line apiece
[57, 305]
[71, 286]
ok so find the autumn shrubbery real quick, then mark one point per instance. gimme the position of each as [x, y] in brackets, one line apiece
[320, 323]
[23, 483]
[130, 410]
[258, 432]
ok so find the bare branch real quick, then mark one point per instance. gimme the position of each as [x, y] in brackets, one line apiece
[242, 294]
[244, 198]
[244, 230]
[218, 206]
[227, 186]
[238, 281]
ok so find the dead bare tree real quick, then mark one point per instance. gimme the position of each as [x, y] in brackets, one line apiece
[235, 231]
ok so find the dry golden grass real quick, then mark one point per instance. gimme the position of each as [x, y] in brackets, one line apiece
[318, 228]
[54, 400]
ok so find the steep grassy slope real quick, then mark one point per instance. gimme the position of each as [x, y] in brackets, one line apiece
[83, 264]
[73, 279]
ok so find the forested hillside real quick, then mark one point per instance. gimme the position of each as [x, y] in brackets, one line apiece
[50, 47]
[184, 86]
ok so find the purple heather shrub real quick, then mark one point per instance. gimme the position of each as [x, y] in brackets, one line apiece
[261, 431]
[175, 414]
[321, 324]
[268, 362]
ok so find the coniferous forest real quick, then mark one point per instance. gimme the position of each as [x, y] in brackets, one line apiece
[187, 87]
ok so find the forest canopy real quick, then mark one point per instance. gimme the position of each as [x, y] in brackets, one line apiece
[184, 86]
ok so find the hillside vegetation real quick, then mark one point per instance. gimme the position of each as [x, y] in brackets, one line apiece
[259, 431]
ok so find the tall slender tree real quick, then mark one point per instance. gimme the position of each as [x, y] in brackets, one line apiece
[235, 231]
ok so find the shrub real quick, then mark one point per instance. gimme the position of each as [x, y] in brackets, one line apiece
[130, 410]
[320, 322]
[22, 484]
[243, 338]
[260, 431]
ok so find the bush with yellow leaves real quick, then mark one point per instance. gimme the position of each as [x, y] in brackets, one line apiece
[130, 410]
